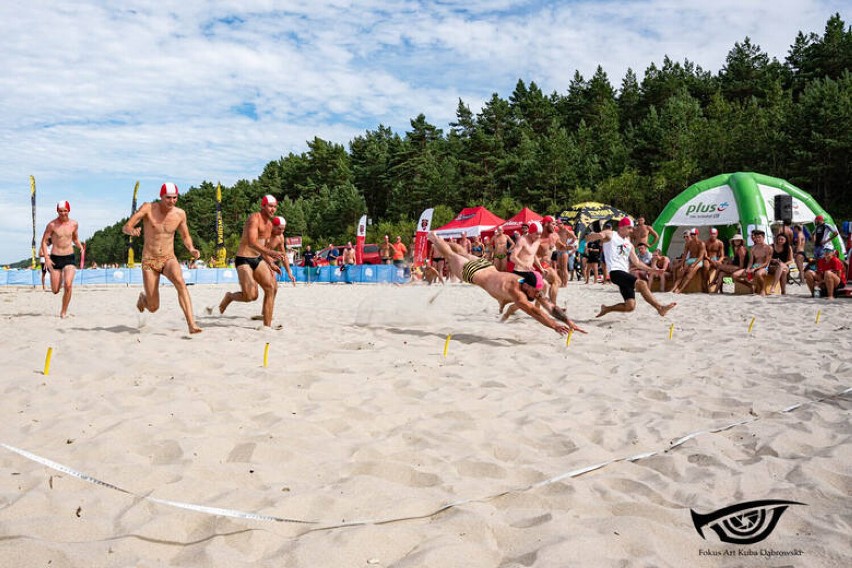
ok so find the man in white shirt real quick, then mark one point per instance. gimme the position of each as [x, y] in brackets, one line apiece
[619, 254]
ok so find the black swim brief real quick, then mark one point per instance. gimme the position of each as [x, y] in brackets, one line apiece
[252, 261]
[61, 261]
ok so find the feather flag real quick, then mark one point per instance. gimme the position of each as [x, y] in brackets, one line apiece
[33, 201]
[130, 261]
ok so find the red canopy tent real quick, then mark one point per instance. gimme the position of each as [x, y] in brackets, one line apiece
[525, 215]
[473, 221]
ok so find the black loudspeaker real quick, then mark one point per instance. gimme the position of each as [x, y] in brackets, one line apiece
[784, 207]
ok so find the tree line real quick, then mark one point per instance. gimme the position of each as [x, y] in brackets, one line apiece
[634, 147]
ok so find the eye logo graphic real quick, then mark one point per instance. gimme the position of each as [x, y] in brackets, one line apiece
[743, 523]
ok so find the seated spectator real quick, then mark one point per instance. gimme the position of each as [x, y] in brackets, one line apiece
[663, 267]
[715, 255]
[779, 266]
[758, 262]
[731, 265]
[678, 262]
[694, 253]
[829, 276]
[645, 257]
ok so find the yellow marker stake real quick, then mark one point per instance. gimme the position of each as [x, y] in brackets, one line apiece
[819, 313]
[266, 356]
[751, 325]
[47, 361]
[447, 344]
[568, 339]
[671, 331]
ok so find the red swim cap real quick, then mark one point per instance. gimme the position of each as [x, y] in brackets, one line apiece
[535, 227]
[268, 200]
[63, 205]
[169, 189]
[625, 222]
[279, 221]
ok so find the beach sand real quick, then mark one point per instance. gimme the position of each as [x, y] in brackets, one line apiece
[388, 453]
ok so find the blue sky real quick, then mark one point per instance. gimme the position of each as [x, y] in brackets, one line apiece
[98, 94]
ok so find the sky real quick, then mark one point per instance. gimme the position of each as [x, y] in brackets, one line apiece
[96, 95]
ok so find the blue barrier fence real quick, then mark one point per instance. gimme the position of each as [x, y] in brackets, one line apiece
[363, 274]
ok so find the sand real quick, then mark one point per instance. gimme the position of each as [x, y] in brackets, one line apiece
[387, 453]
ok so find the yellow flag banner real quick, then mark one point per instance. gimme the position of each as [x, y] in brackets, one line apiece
[221, 253]
[33, 201]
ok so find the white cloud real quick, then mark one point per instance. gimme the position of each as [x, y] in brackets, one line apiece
[97, 94]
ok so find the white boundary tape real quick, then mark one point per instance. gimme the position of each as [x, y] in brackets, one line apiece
[260, 517]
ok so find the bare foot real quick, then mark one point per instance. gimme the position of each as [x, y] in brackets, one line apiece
[663, 310]
[63, 315]
[194, 329]
[226, 301]
[604, 311]
[140, 303]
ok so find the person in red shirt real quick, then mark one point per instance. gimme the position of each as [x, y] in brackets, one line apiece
[830, 274]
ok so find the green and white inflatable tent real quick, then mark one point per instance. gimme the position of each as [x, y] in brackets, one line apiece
[735, 203]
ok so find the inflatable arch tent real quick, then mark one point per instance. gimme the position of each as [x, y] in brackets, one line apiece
[734, 203]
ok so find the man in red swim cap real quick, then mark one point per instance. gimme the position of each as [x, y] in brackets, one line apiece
[61, 236]
[161, 220]
[255, 260]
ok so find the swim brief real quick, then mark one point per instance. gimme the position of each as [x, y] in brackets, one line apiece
[472, 267]
[61, 261]
[252, 261]
[157, 263]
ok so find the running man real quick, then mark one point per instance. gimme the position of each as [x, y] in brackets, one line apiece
[279, 243]
[255, 260]
[504, 287]
[620, 254]
[61, 236]
[161, 220]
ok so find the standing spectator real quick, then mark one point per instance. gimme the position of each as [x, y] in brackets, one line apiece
[386, 251]
[308, 257]
[823, 234]
[399, 252]
[465, 242]
[477, 249]
[798, 243]
[333, 255]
